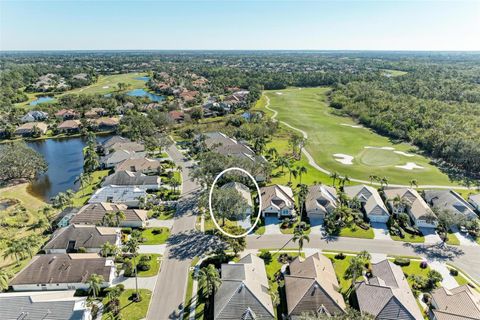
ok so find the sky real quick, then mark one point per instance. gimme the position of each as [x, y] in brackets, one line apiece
[239, 25]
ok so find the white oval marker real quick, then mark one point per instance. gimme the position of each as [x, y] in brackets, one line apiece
[210, 203]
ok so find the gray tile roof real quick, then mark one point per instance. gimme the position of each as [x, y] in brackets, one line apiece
[369, 196]
[63, 268]
[42, 306]
[451, 201]
[387, 295]
[322, 198]
[94, 213]
[461, 302]
[244, 291]
[418, 207]
[277, 196]
[84, 236]
[128, 178]
[139, 165]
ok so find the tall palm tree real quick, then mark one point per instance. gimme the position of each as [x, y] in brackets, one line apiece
[384, 182]
[94, 282]
[15, 249]
[83, 179]
[301, 170]
[293, 172]
[4, 276]
[282, 162]
[300, 236]
[372, 178]
[273, 153]
[132, 247]
[413, 182]
[29, 243]
[209, 280]
[119, 216]
[109, 219]
[334, 176]
[302, 195]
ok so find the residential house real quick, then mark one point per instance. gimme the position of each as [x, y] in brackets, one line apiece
[386, 294]
[150, 106]
[125, 107]
[277, 200]
[77, 237]
[244, 292]
[132, 197]
[34, 116]
[188, 95]
[451, 201]
[64, 217]
[44, 306]
[118, 156]
[29, 128]
[320, 201]
[474, 200]
[244, 191]
[460, 303]
[370, 200]
[70, 126]
[63, 272]
[133, 179]
[176, 116]
[94, 214]
[312, 287]
[417, 208]
[143, 165]
[126, 145]
[67, 114]
[107, 144]
[105, 123]
[95, 113]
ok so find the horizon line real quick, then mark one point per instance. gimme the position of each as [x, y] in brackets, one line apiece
[242, 50]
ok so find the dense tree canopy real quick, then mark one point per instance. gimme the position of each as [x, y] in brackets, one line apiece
[18, 161]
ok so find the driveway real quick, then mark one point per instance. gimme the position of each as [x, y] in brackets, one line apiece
[465, 239]
[448, 281]
[380, 231]
[316, 226]
[156, 248]
[272, 225]
[431, 237]
[129, 282]
[155, 223]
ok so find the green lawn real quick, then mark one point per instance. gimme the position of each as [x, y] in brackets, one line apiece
[357, 233]
[452, 239]
[154, 265]
[131, 310]
[84, 193]
[330, 134]
[409, 238]
[108, 84]
[340, 266]
[292, 229]
[151, 238]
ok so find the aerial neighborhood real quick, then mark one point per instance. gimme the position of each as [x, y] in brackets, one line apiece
[116, 201]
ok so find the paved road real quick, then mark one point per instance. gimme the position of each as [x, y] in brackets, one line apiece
[169, 293]
[311, 160]
[467, 258]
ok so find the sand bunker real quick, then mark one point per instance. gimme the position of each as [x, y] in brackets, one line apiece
[410, 166]
[105, 87]
[404, 154]
[343, 158]
[380, 148]
[351, 125]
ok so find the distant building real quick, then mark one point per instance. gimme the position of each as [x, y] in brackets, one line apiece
[370, 200]
[133, 179]
[451, 201]
[95, 113]
[320, 201]
[417, 208]
[387, 294]
[29, 128]
[34, 116]
[67, 114]
[44, 306]
[75, 237]
[244, 291]
[129, 196]
[105, 124]
[312, 287]
[118, 156]
[70, 126]
[277, 200]
[63, 272]
[94, 214]
[176, 115]
[143, 165]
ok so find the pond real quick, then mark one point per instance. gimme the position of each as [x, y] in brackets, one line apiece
[64, 157]
[144, 78]
[40, 100]
[143, 93]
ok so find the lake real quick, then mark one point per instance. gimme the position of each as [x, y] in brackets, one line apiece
[144, 78]
[42, 100]
[64, 157]
[143, 93]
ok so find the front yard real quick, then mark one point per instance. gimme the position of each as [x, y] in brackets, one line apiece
[153, 236]
[357, 232]
[153, 263]
[131, 310]
[409, 238]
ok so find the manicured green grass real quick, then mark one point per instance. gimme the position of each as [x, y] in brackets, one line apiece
[340, 266]
[357, 233]
[452, 239]
[275, 266]
[414, 269]
[154, 265]
[152, 239]
[108, 84]
[292, 230]
[409, 238]
[84, 193]
[131, 310]
[330, 134]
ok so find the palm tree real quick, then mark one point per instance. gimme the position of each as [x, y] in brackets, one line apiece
[292, 172]
[132, 247]
[175, 184]
[94, 282]
[83, 179]
[29, 243]
[113, 296]
[344, 180]
[302, 194]
[14, 248]
[384, 182]
[4, 276]
[273, 153]
[109, 219]
[372, 178]
[413, 182]
[334, 176]
[300, 236]
[282, 162]
[119, 216]
[108, 249]
[209, 280]
[301, 170]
